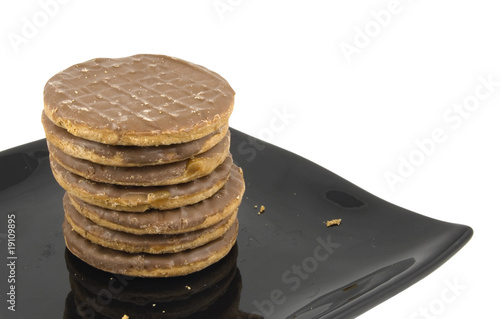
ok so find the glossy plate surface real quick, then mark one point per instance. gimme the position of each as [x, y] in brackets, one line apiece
[287, 264]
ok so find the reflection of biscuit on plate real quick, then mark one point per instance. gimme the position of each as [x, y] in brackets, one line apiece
[213, 292]
[141, 291]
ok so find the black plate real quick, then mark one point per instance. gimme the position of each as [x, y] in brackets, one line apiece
[289, 264]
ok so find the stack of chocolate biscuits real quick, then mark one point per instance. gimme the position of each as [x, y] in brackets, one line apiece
[141, 146]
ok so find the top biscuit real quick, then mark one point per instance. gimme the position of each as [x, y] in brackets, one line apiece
[142, 100]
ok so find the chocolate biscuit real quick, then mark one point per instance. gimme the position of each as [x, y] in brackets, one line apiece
[143, 100]
[174, 221]
[151, 244]
[152, 175]
[127, 156]
[142, 198]
[149, 265]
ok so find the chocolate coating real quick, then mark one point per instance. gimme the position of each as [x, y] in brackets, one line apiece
[153, 244]
[149, 265]
[152, 175]
[142, 100]
[173, 221]
[127, 156]
[139, 198]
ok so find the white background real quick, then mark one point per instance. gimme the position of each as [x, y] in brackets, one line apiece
[357, 113]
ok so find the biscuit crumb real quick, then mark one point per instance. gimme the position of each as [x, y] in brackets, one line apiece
[188, 288]
[262, 209]
[125, 317]
[333, 222]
